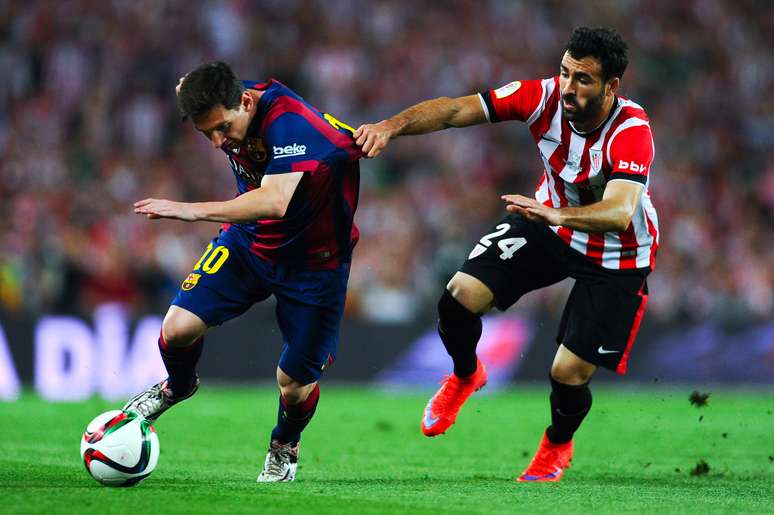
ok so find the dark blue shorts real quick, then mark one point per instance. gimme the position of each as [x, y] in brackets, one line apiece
[228, 279]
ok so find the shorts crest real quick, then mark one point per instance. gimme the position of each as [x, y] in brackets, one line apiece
[190, 281]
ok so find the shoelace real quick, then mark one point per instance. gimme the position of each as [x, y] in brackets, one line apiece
[150, 400]
[279, 456]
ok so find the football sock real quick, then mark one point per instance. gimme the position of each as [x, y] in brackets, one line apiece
[459, 330]
[569, 406]
[180, 363]
[293, 418]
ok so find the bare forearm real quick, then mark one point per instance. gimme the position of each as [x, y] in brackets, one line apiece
[248, 207]
[428, 116]
[603, 216]
[613, 213]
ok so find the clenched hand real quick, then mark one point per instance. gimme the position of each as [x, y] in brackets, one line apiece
[374, 137]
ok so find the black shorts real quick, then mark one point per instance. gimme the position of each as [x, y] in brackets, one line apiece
[603, 312]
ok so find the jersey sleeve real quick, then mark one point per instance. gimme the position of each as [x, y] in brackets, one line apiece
[295, 145]
[631, 154]
[514, 101]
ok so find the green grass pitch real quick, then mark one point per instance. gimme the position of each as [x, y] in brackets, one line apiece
[364, 453]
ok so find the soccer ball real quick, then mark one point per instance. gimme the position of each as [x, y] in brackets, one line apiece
[120, 448]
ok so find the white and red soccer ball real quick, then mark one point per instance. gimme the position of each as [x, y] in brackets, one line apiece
[120, 448]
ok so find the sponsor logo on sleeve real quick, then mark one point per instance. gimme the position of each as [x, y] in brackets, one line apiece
[288, 151]
[508, 89]
[631, 166]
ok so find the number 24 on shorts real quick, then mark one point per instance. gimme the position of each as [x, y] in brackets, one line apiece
[508, 245]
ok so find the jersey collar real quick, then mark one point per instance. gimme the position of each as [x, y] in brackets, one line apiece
[263, 104]
[609, 116]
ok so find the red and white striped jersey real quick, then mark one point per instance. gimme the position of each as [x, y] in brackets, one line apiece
[577, 167]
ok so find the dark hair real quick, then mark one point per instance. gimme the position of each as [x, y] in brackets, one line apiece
[209, 85]
[603, 44]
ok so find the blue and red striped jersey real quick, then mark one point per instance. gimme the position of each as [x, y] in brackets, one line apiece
[289, 135]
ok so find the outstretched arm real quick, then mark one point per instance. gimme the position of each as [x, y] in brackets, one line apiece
[613, 213]
[428, 116]
[270, 201]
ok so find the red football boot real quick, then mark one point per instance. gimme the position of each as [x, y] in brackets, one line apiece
[549, 462]
[442, 408]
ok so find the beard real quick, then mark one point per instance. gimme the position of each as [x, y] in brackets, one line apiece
[584, 114]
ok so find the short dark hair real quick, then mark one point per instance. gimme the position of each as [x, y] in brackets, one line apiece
[209, 85]
[604, 44]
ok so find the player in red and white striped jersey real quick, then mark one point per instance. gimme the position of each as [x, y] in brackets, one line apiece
[591, 219]
[578, 165]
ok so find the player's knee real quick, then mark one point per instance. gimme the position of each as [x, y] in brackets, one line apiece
[470, 293]
[295, 393]
[567, 373]
[180, 331]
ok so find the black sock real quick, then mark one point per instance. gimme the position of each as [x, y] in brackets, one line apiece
[459, 330]
[293, 418]
[180, 363]
[569, 406]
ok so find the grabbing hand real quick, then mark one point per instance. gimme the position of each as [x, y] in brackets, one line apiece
[532, 210]
[374, 137]
[161, 208]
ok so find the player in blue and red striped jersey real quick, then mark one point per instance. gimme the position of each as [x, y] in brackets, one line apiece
[289, 233]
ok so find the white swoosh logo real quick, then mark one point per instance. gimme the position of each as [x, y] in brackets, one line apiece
[429, 421]
[602, 350]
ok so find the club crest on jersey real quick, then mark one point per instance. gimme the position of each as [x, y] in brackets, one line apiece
[190, 281]
[595, 158]
[508, 89]
[256, 150]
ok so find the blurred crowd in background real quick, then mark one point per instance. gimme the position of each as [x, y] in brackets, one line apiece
[88, 125]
